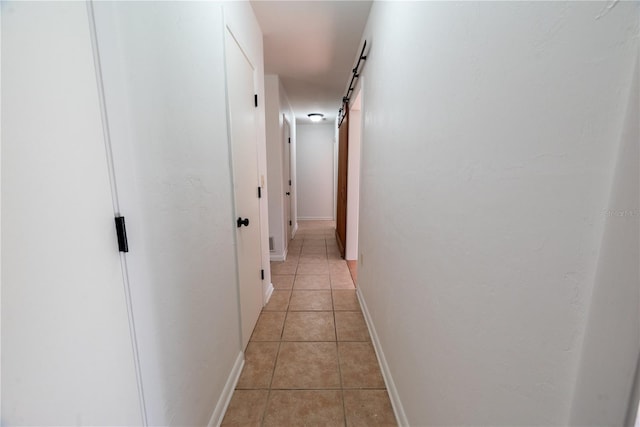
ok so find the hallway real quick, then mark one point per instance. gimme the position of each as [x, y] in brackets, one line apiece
[156, 156]
[310, 360]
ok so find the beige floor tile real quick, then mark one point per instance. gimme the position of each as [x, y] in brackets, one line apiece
[314, 243]
[345, 300]
[340, 275]
[306, 365]
[286, 267]
[313, 268]
[279, 301]
[311, 281]
[309, 326]
[313, 253]
[317, 408]
[342, 281]
[305, 377]
[353, 269]
[310, 301]
[294, 249]
[366, 408]
[350, 326]
[259, 362]
[314, 235]
[359, 366]
[316, 259]
[338, 268]
[313, 258]
[293, 256]
[269, 326]
[246, 408]
[282, 281]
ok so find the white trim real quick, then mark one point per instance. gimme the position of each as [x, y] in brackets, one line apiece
[277, 257]
[280, 257]
[315, 218]
[398, 410]
[295, 230]
[227, 392]
[268, 292]
[115, 201]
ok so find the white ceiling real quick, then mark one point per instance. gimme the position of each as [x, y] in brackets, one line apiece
[312, 46]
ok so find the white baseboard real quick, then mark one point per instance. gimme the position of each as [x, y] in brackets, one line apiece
[227, 392]
[278, 257]
[401, 417]
[315, 218]
[268, 292]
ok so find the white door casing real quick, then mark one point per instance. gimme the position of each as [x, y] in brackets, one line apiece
[286, 165]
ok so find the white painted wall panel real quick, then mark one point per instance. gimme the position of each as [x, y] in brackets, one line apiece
[314, 170]
[491, 132]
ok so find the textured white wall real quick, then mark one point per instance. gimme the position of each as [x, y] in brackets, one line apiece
[314, 169]
[612, 342]
[277, 105]
[491, 132]
[274, 163]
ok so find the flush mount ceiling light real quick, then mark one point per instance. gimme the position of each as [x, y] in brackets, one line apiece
[315, 117]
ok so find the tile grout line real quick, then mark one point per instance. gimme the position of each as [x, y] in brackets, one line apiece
[275, 362]
[335, 327]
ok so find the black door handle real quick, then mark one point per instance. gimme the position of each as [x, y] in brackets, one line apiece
[242, 222]
[287, 193]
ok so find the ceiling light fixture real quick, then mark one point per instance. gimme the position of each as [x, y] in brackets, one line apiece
[315, 117]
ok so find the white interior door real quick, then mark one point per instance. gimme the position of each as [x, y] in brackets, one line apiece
[243, 129]
[67, 356]
[288, 226]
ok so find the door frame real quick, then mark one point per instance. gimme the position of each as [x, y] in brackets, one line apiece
[228, 32]
[287, 154]
[354, 159]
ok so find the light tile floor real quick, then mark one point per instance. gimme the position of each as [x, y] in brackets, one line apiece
[310, 361]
